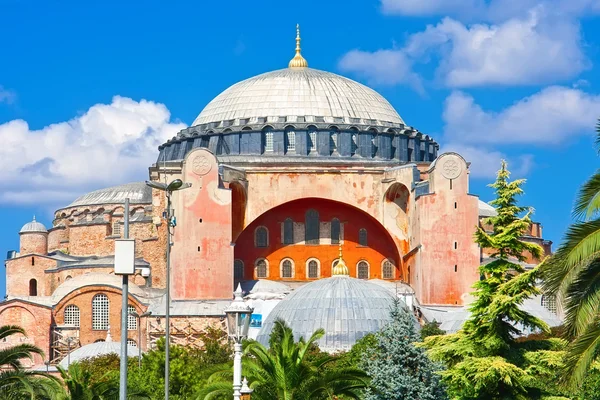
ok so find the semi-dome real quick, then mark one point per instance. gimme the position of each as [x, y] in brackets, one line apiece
[137, 192]
[98, 349]
[33, 227]
[300, 94]
[347, 308]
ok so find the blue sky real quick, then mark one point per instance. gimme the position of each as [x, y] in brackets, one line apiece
[88, 91]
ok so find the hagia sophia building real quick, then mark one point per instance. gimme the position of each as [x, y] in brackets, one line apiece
[288, 169]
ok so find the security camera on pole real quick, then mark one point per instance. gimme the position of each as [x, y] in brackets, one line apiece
[125, 266]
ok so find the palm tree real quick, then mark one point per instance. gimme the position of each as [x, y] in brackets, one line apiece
[573, 275]
[16, 382]
[284, 371]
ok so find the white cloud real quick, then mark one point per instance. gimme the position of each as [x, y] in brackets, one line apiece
[382, 67]
[7, 96]
[107, 145]
[548, 117]
[532, 50]
[485, 162]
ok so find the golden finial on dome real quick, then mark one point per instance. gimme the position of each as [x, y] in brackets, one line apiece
[298, 61]
[340, 268]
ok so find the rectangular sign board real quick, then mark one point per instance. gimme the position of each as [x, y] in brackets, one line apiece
[124, 256]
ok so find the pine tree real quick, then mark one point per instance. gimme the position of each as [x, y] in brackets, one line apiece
[398, 369]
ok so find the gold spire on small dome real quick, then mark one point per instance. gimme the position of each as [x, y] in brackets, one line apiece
[298, 61]
[340, 268]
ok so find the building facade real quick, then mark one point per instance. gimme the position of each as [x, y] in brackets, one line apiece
[285, 168]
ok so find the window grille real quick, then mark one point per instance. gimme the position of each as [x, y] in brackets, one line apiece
[262, 237]
[72, 315]
[549, 302]
[269, 141]
[131, 342]
[100, 312]
[388, 270]
[261, 269]
[287, 269]
[116, 228]
[132, 321]
[335, 231]
[362, 237]
[363, 270]
[312, 140]
[311, 227]
[238, 269]
[288, 231]
[290, 136]
[313, 269]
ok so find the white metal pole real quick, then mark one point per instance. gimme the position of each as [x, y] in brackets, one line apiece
[168, 298]
[237, 371]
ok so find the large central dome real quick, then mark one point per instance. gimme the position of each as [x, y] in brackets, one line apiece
[300, 92]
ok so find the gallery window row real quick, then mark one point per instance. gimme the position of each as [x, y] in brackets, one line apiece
[312, 266]
[312, 232]
[100, 314]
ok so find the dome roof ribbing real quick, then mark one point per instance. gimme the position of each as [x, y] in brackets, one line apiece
[33, 226]
[137, 192]
[312, 95]
[98, 349]
[347, 308]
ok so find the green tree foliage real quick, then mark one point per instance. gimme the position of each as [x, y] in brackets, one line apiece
[486, 359]
[398, 369]
[16, 383]
[431, 329]
[286, 372]
[573, 275]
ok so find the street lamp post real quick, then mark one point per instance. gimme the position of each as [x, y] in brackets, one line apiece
[238, 322]
[139, 332]
[175, 185]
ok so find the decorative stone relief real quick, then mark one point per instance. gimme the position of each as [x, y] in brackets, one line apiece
[201, 165]
[451, 169]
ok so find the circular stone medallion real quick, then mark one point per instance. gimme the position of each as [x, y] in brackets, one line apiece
[451, 169]
[201, 165]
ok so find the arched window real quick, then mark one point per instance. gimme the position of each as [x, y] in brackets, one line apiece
[354, 144]
[362, 237]
[222, 146]
[268, 139]
[335, 231]
[131, 342]
[261, 237]
[290, 140]
[116, 228]
[312, 266]
[387, 269]
[132, 321]
[333, 139]
[311, 227]
[68, 277]
[261, 268]
[33, 287]
[100, 312]
[549, 302]
[287, 268]
[312, 138]
[238, 269]
[288, 231]
[72, 315]
[362, 270]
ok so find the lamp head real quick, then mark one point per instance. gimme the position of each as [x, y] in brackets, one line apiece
[156, 185]
[175, 185]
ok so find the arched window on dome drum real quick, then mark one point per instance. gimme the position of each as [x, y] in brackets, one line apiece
[287, 270]
[238, 269]
[335, 231]
[268, 139]
[354, 144]
[204, 141]
[100, 312]
[71, 315]
[290, 140]
[131, 342]
[387, 270]
[132, 321]
[261, 269]
[311, 227]
[362, 270]
[362, 237]
[312, 139]
[261, 237]
[313, 269]
[222, 146]
[333, 140]
[374, 143]
[288, 231]
[33, 287]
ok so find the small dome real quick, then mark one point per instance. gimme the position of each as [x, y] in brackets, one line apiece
[33, 226]
[347, 308]
[137, 192]
[98, 349]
